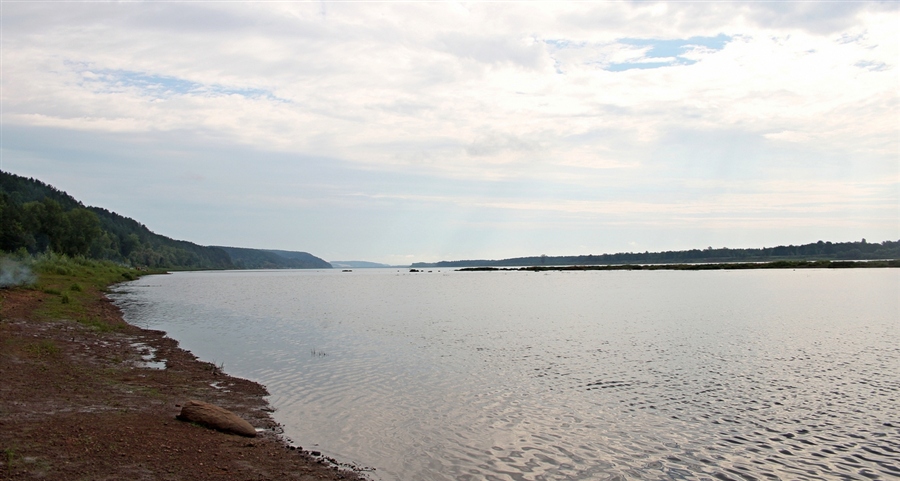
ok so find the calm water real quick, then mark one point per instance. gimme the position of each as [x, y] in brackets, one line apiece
[536, 376]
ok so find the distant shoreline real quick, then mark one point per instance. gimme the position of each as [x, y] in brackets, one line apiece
[818, 251]
[702, 267]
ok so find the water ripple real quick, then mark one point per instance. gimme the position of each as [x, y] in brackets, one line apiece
[582, 376]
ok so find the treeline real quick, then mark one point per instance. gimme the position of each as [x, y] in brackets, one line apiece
[860, 250]
[820, 264]
[36, 217]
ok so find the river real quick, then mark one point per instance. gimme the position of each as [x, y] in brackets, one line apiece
[444, 375]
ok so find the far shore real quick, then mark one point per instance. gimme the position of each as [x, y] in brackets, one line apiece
[702, 267]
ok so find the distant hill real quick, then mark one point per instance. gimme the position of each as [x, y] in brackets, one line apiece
[36, 217]
[861, 250]
[357, 264]
[244, 258]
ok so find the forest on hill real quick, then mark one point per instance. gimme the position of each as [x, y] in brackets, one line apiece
[36, 217]
[860, 250]
[244, 258]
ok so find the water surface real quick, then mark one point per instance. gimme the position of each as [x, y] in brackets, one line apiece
[560, 375]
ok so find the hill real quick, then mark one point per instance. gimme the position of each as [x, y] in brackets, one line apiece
[244, 258]
[36, 217]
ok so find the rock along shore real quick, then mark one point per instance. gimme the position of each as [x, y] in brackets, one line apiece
[86, 401]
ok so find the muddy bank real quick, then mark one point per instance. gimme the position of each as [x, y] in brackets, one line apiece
[89, 401]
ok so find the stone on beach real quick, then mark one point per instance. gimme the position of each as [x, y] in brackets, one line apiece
[215, 417]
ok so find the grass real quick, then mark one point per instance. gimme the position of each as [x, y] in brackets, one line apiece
[75, 284]
[46, 348]
[79, 274]
[97, 324]
[217, 368]
[149, 391]
[10, 457]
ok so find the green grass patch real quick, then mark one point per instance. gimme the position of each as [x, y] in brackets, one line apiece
[57, 274]
[10, 457]
[78, 274]
[77, 281]
[97, 325]
[66, 306]
[45, 348]
[148, 391]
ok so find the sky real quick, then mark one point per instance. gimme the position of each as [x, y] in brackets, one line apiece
[402, 132]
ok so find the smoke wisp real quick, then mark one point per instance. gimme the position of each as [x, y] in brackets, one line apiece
[14, 273]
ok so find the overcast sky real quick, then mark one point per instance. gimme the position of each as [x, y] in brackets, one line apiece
[410, 131]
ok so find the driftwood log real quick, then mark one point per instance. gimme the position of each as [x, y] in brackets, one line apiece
[217, 418]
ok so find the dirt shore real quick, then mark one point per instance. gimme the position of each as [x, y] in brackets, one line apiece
[79, 402]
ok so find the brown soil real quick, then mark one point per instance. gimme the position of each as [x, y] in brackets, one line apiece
[77, 403]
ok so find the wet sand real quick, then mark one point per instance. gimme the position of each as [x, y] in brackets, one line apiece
[80, 401]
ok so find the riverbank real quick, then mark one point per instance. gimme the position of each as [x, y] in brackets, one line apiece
[88, 396]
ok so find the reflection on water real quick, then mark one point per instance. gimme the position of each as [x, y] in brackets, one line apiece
[563, 375]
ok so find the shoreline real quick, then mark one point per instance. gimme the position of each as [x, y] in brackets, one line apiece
[88, 400]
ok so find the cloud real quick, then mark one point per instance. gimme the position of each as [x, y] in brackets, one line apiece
[821, 18]
[522, 52]
[588, 108]
[872, 65]
[492, 144]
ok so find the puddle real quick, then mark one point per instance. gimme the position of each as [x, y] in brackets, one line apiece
[161, 364]
[148, 357]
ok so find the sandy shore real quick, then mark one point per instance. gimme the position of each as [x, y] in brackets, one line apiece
[78, 402]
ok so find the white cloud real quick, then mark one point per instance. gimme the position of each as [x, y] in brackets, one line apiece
[500, 93]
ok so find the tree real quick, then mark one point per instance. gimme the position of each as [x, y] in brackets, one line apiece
[82, 227]
[13, 232]
[46, 220]
[130, 243]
